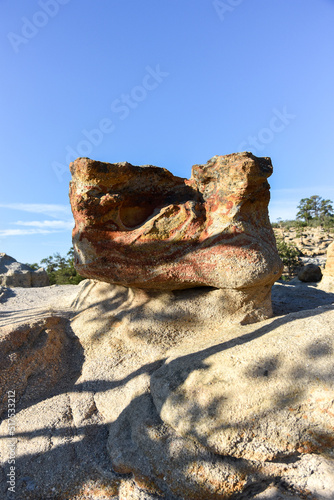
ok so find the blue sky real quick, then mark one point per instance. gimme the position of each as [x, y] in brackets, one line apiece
[165, 83]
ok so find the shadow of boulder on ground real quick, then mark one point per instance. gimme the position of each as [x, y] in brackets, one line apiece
[210, 413]
[297, 296]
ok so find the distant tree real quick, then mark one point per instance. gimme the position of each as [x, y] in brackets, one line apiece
[314, 207]
[61, 270]
[33, 266]
[326, 210]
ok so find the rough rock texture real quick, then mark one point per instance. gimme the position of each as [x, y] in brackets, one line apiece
[143, 227]
[88, 438]
[312, 242]
[329, 269]
[250, 396]
[157, 454]
[34, 357]
[163, 317]
[14, 274]
[327, 282]
[310, 273]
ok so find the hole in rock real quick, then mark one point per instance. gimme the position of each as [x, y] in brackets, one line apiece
[134, 213]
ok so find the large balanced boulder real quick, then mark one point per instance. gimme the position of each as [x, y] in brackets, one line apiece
[14, 274]
[143, 227]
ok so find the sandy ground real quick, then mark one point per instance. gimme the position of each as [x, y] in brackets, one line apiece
[20, 304]
[17, 304]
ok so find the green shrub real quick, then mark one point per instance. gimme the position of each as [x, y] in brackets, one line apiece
[289, 255]
[61, 270]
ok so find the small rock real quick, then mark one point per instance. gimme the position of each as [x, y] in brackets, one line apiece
[310, 273]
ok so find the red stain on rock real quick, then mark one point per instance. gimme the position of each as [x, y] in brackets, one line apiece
[144, 227]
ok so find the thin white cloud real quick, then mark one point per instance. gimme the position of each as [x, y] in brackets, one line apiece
[24, 232]
[54, 224]
[52, 210]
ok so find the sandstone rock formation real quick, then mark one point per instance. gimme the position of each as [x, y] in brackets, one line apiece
[157, 385]
[34, 357]
[236, 412]
[257, 400]
[312, 242]
[329, 269]
[143, 227]
[163, 317]
[327, 282]
[299, 295]
[14, 274]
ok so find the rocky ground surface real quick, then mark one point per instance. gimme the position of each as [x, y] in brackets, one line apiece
[17, 304]
[311, 242]
[96, 408]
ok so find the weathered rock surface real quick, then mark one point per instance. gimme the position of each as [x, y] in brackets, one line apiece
[34, 357]
[262, 393]
[143, 227]
[29, 304]
[312, 242]
[14, 274]
[162, 319]
[310, 273]
[141, 444]
[327, 282]
[329, 269]
[85, 437]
